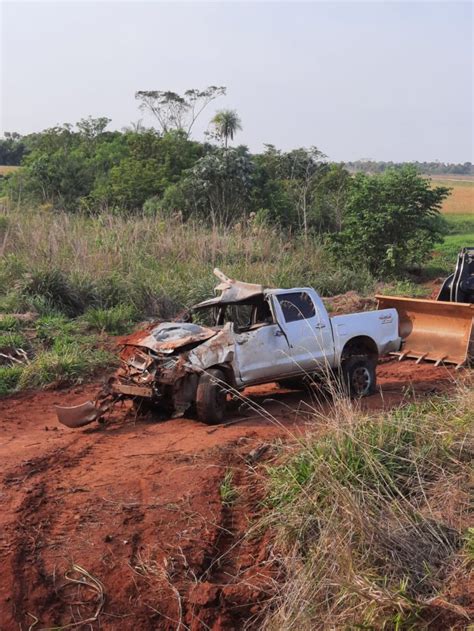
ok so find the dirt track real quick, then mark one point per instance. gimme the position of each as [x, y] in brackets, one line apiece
[137, 506]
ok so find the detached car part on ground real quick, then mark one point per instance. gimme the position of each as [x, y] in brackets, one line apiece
[244, 336]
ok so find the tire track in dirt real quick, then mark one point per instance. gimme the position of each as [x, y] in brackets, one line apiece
[236, 575]
[26, 534]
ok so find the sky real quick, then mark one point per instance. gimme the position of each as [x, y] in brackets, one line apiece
[376, 80]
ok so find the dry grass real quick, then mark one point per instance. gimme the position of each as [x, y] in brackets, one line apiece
[5, 169]
[461, 200]
[371, 521]
[151, 263]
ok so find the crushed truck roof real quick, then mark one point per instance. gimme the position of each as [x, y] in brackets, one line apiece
[232, 291]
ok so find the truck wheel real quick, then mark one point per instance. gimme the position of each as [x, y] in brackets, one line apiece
[359, 376]
[211, 397]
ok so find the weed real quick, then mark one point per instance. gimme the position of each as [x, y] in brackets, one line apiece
[53, 286]
[9, 378]
[406, 288]
[50, 328]
[12, 340]
[9, 323]
[115, 320]
[72, 365]
[227, 490]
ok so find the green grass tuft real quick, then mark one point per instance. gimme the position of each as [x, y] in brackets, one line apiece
[227, 490]
[71, 365]
[9, 323]
[9, 378]
[12, 340]
[406, 288]
[115, 320]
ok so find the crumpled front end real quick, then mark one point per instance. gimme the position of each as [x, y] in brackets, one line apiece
[163, 366]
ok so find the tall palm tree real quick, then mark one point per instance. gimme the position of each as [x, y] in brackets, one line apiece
[226, 124]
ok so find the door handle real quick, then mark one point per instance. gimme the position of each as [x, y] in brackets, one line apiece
[319, 326]
[279, 333]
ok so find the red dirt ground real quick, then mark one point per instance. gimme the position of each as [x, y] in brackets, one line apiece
[137, 506]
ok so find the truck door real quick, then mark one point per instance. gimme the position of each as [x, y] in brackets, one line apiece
[307, 328]
[262, 353]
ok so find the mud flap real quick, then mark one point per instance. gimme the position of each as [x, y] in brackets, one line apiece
[78, 415]
[433, 330]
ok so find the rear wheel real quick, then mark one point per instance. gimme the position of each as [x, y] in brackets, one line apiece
[359, 375]
[211, 397]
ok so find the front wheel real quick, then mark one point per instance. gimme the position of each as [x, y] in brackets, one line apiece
[211, 397]
[359, 375]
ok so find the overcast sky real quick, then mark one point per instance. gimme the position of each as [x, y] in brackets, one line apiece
[387, 81]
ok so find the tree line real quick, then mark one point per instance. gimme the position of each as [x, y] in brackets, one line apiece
[427, 168]
[385, 222]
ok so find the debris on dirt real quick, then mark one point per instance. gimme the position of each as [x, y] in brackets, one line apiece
[257, 453]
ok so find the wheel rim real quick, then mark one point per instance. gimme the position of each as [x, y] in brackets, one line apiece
[361, 380]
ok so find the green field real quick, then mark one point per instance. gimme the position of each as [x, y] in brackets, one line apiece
[461, 234]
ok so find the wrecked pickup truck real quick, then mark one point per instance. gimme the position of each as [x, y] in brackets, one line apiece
[246, 335]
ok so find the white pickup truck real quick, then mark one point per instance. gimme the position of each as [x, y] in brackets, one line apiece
[246, 335]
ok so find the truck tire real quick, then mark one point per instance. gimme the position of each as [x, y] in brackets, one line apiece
[359, 377]
[211, 397]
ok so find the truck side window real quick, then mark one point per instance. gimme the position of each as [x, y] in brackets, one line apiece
[296, 306]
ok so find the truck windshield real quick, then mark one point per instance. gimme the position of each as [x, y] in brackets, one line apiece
[244, 315]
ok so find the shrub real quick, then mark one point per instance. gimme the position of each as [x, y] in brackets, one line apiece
[391, 222]
[53, 287]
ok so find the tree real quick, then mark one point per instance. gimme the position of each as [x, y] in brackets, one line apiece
[12, 148]
[226, 124]
[217, 188]
[176, 112]
[391, 221]
[301, 169]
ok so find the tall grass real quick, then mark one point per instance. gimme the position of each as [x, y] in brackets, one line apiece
[72, 262]
[371, 520]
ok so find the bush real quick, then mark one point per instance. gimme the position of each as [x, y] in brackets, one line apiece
[391, 222]
[54, 288]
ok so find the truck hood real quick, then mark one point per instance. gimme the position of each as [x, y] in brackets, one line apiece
[168, 336]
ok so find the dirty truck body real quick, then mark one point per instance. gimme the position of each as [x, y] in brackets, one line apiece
[247, 335]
